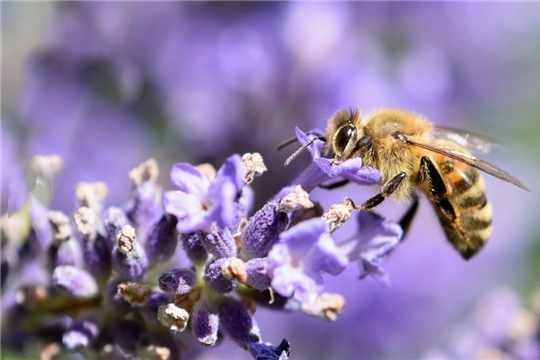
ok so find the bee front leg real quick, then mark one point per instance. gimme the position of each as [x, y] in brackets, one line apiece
[387, 190]
[334, 185]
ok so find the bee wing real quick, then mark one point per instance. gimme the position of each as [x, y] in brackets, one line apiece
[469, 160]
[472, 141]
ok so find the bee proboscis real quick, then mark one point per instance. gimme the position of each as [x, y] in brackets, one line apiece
[411, 153]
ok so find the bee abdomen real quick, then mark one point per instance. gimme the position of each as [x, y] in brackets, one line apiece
[473, 225]
[471, 231]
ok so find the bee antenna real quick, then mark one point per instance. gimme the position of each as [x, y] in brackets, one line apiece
[302, 148]
[287, 143]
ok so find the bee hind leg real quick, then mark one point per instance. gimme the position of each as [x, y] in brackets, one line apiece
[406, 220]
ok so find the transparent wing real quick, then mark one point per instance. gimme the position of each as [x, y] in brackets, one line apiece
[469, 160]
[472, 141]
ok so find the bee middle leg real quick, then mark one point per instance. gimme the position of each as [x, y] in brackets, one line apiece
[387, 190]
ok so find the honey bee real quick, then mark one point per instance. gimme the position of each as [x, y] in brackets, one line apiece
[411, 153]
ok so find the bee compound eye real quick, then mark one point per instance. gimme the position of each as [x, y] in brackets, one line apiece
[344, 136]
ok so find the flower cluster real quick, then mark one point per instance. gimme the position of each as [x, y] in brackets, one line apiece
[113, 282]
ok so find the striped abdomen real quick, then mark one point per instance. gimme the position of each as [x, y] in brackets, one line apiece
[461, 204]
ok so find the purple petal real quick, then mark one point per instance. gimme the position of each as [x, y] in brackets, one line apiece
[186, 178]
[351, 169]
[232, 170]
[300, 238]
[326, 257]
[187, 209]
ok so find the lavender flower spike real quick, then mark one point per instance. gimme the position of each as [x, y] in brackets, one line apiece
[297, 261]
[199, 202]
[375, 240]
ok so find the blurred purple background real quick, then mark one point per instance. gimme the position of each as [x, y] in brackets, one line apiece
[108, 85]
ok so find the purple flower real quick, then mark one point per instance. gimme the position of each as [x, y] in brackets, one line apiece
[376, 238]
[297, 261]
[199, 202]
[323, 169]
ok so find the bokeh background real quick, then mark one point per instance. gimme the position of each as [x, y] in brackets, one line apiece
[107, 85]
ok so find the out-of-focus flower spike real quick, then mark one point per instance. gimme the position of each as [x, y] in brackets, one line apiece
[65, 249]
[177, 281]
[173, 317]
[161, 239]
[45, 168]
[41, 230]
[144, 208]
[128, 256]
[216, 280]
[81, 333]
[96, 252]
[91, 195]
[114, 219]
[75, 281]
[192, 245]
[219, 242]
[262, 231]
[205, 323]
[146, 171]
